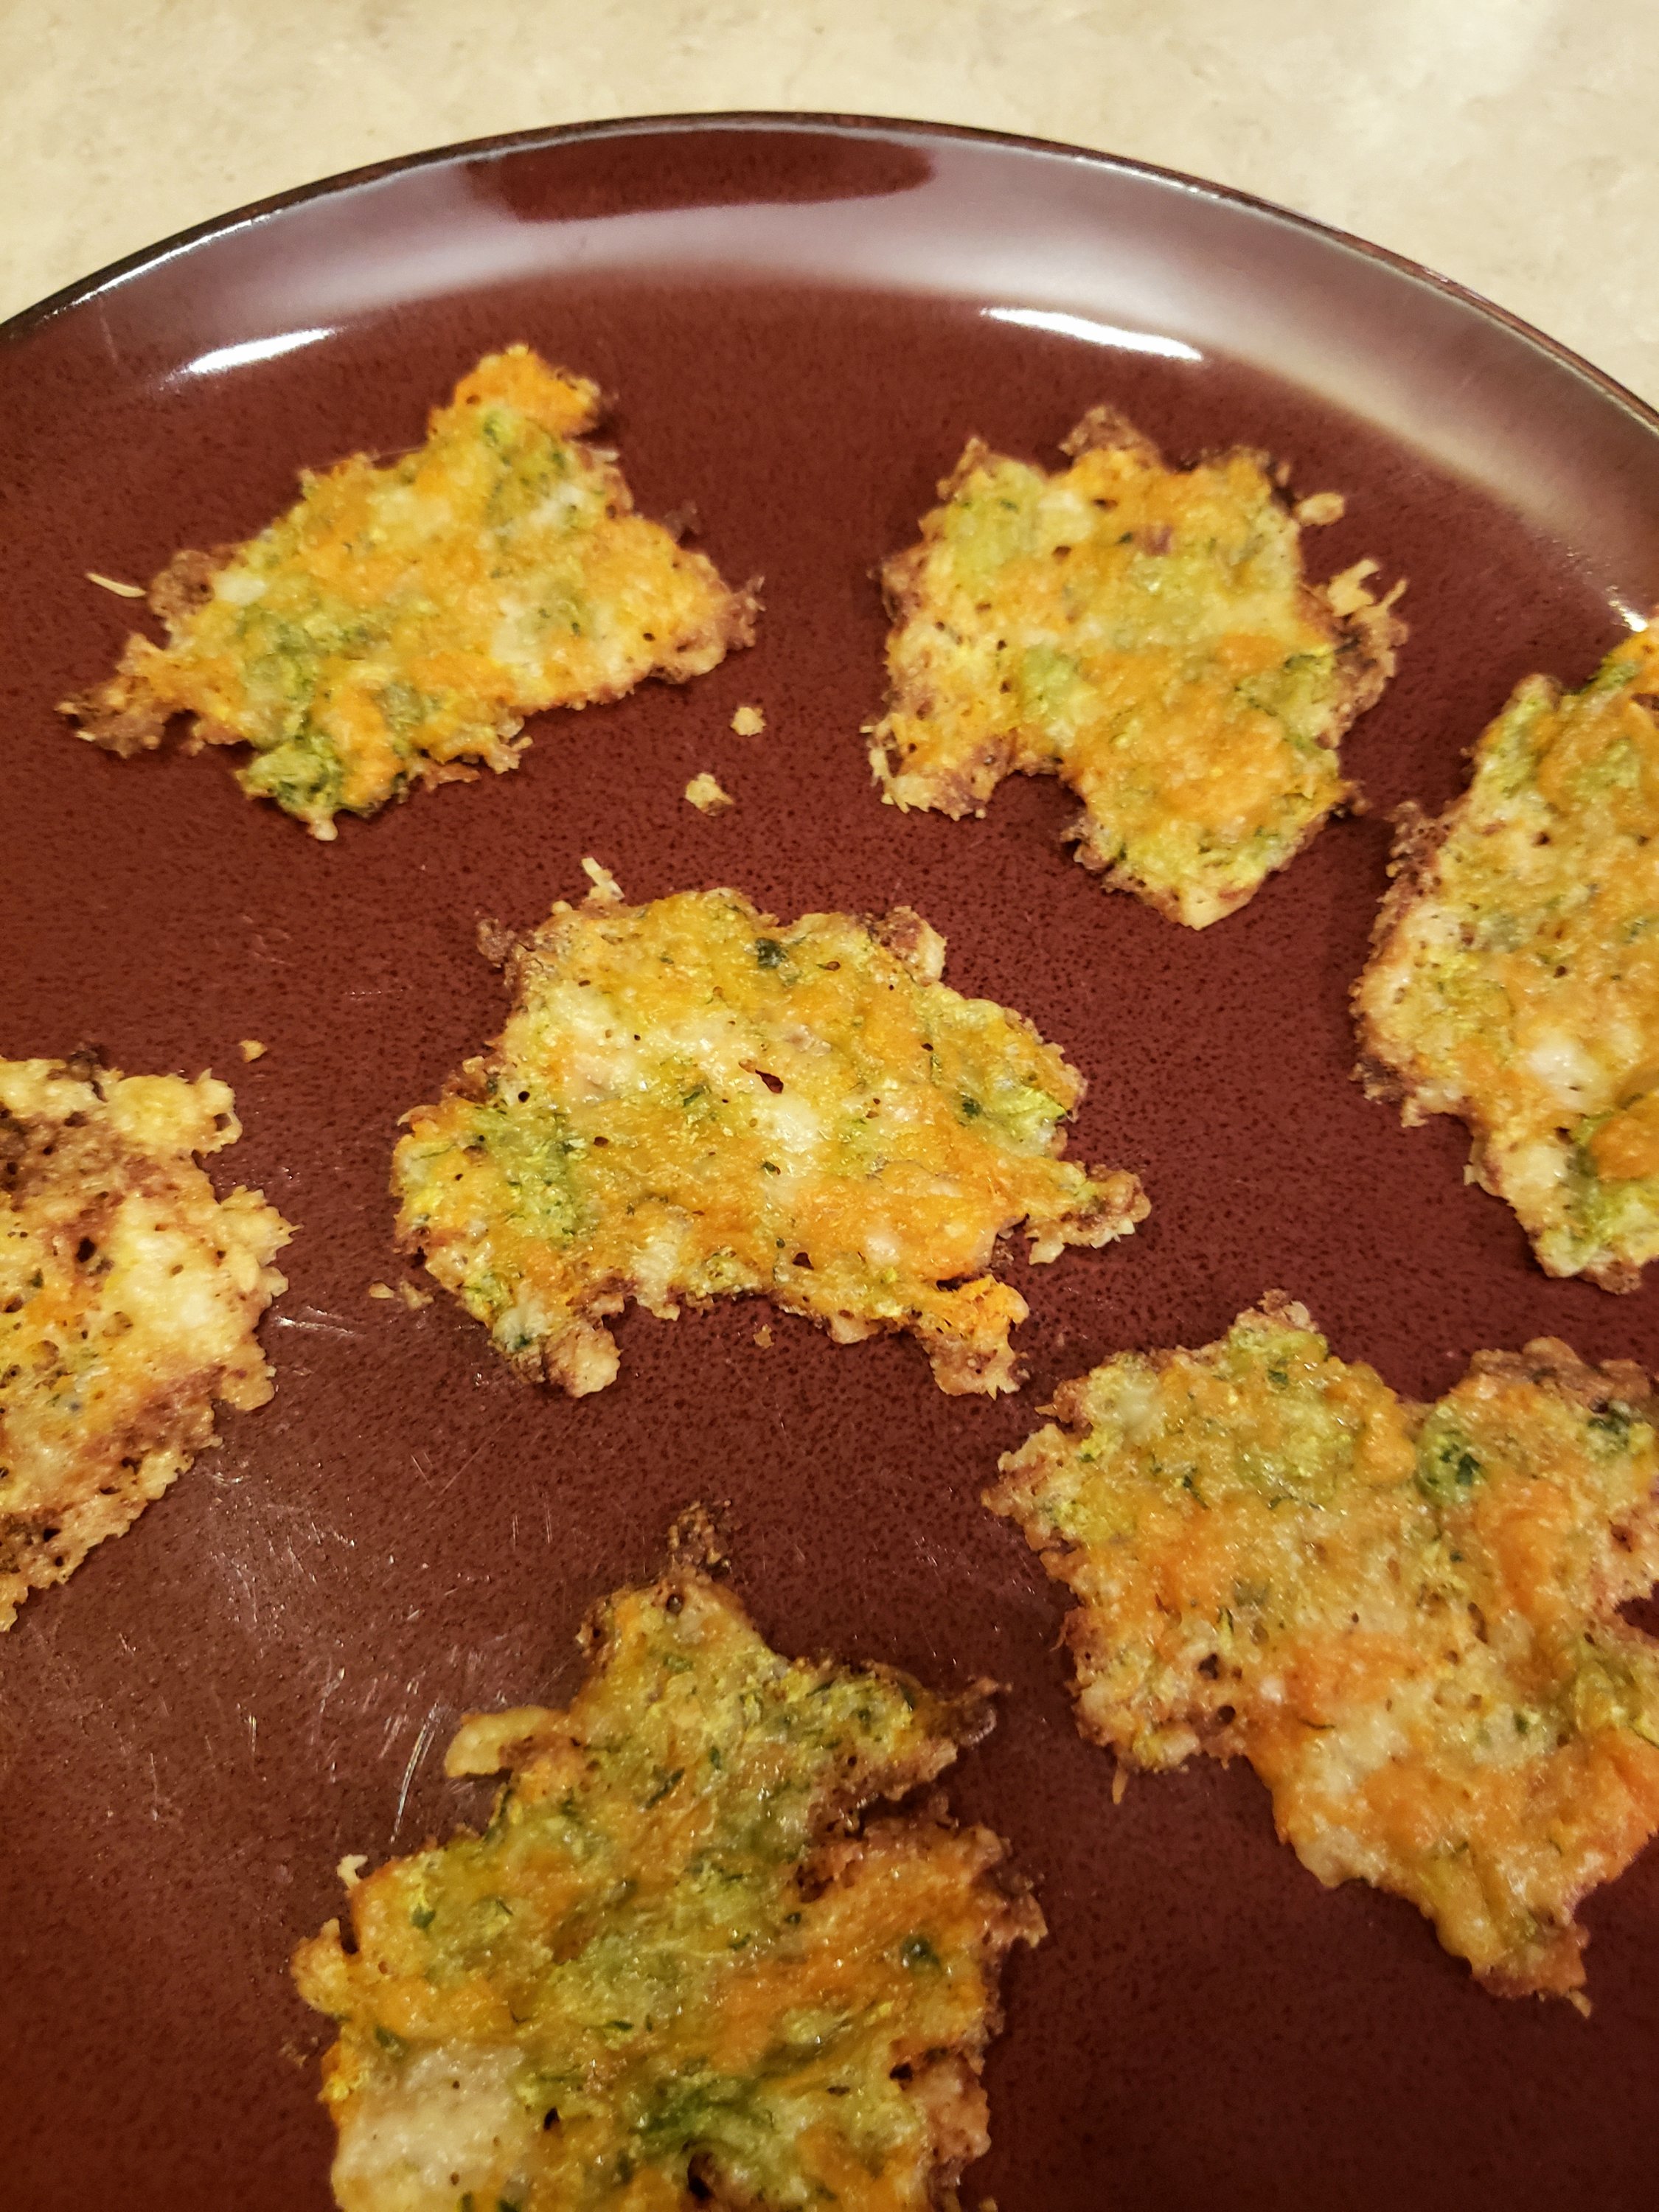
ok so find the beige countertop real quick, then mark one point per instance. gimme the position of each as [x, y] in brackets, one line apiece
[1505, 143]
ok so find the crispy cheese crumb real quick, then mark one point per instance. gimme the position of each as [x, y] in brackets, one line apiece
[693, 1824]
[1321, 509]
[413, 1297]
[251, 1048]
[749, 722]
[381, 1290]
[705, 794]
[112, 584]
[606, 885]
[763, 1335]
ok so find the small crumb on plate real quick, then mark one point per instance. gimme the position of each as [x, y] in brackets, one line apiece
[705, 794]
[606, 885]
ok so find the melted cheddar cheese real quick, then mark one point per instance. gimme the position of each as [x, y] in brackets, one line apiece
[1515, 978]
[1406, 1619]
[129, 1295]
[675, 1966]
[400, 621]
[691, 1099]
[1144, 633]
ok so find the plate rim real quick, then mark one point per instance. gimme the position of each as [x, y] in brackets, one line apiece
[23, 325]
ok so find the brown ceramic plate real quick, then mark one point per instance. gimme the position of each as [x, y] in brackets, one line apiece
[802, 321]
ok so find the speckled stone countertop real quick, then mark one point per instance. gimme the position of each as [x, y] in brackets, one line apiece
[1505, 143]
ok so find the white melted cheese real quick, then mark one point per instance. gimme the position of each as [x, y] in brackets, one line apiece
[1137, 1405]
[658, 1263]
[445, 2125]
[882, 1249]
[239, 587]
[596, 1054]
[562, 505]
[1565, 1068]
[791, 1124]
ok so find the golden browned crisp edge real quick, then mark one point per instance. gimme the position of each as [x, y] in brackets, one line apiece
[119, 714]
[1546, 1361]
[1069, 1406]
[1417, 838]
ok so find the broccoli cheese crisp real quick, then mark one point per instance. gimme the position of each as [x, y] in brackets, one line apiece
[129, 1295]
[1514, 979]
[1146, 634]
[691, 1099]
[399, 622]
[677, 1967]
[1405, 1618]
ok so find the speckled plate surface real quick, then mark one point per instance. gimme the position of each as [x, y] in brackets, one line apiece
[801, 321]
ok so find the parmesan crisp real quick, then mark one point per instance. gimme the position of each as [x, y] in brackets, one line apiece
[129, 1295]
[693, 1100]
[398, 623]
[1146, 634]
[1514, 979]
[1405, 1617]
[678, 1965]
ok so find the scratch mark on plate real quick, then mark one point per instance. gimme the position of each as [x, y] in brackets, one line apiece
[428, 1728]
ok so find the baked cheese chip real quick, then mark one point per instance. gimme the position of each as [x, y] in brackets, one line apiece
[691, 1099]
[129, 1295]
[1514, 979]
[1405, 1618]
[400, 621]
[1146, 634]
[676, 1967]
